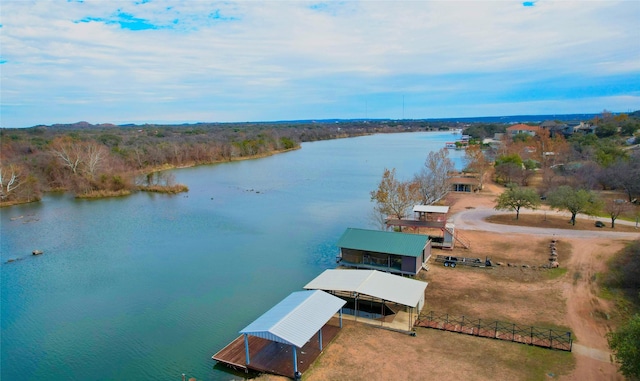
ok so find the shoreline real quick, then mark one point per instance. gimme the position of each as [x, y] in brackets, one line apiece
[165, 167]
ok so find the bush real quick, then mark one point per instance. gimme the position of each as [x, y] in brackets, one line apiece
[625, 343]
[624, 273]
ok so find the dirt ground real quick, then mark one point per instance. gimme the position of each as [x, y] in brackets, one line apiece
[559, 298]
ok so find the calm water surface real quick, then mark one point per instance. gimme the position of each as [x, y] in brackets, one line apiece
[148, 287]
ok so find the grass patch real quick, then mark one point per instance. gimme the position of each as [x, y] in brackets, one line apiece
[104, 194]
[452, 356]
[621, 283]
[555, 273]
[554, 222]
[541, 364]
[172, 189]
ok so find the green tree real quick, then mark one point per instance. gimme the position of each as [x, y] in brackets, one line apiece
[521, 137]
[574, 201]
[394, 197]
[530, 164]
[509, 159]
[515, 198]
[608, 153]
[509, 168]
[629, 128]
[606, 130]
[625, 343]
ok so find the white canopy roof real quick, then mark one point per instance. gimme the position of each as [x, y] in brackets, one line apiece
[431, 209]
[374, 283]
[296, 318]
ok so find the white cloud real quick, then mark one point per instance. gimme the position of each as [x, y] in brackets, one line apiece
[219, 59]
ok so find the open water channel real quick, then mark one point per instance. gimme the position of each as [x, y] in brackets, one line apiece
[149, 286]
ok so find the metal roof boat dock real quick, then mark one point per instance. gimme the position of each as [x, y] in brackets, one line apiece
[270, 343]
[383, 299]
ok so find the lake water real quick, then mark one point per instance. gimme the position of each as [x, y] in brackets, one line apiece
[149, 286]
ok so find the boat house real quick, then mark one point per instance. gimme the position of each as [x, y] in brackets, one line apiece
[393, 252]
[374, 297]
[288, 338]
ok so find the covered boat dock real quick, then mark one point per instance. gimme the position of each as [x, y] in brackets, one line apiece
[374, 297]
[288, 338]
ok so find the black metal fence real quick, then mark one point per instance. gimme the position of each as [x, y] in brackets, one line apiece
[540, 337]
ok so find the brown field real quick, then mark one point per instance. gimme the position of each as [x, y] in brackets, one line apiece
[564, 298]
[557, 222]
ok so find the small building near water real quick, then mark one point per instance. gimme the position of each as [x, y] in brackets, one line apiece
[464, 182]
[374, 297]
[392, 252]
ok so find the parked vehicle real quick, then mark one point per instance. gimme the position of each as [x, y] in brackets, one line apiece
[451, 261]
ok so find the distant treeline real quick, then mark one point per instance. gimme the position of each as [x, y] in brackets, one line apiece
[109, 160]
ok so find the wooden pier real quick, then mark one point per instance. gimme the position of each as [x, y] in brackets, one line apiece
[268, 356]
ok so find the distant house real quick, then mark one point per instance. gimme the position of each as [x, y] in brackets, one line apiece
[584, 128]
[556, 128]
[495, 142]
[522, 129]
[464, 182]
[392, 252]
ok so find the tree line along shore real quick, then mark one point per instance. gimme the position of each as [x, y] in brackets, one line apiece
[106, 160]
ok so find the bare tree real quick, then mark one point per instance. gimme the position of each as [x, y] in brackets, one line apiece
[68, 151]
[95, 156]
[379, 218]
[624, 175]
[394, 197]
[9, 180]
[477, 162]
[433, 180]
[615, 208]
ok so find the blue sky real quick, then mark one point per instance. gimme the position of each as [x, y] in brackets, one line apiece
[177, 61]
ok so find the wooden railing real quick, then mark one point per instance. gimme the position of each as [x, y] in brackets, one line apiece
[540, 337]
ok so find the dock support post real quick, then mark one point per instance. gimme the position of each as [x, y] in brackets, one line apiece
[340, 315]
[320, 339]
[356, 306]
[246, 348]
[295, 360]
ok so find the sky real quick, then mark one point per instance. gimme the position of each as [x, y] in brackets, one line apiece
[188, 61]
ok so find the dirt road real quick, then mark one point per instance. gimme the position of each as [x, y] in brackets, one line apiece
[475, 219]
[586, 312]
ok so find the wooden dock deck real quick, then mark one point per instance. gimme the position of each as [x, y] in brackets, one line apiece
[268, 356]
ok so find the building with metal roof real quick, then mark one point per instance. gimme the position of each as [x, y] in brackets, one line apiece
[393, 252]
[275, 337]
[374, 295]
[296, 318]
[441, 209]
